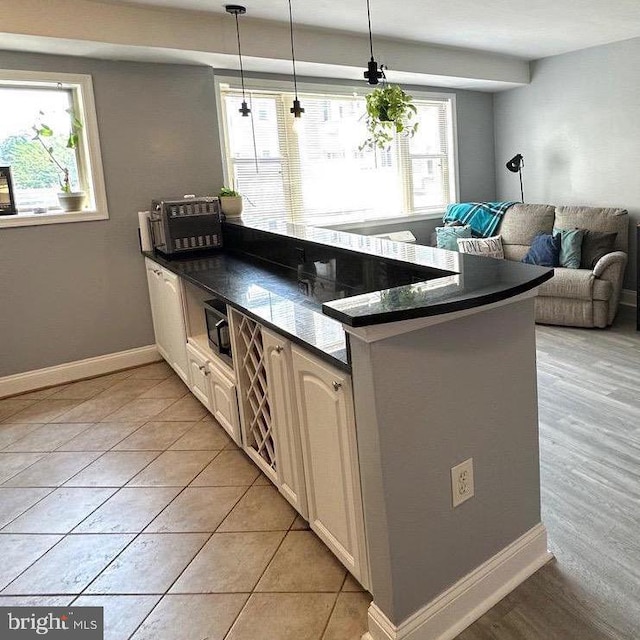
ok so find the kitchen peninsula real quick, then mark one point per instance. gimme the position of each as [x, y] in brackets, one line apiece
[363, 372]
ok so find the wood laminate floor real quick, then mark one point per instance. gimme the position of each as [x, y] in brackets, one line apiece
[589, 396]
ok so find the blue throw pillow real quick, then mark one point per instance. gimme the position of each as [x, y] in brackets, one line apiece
[447, 237]
[544, 251]
[570, 247]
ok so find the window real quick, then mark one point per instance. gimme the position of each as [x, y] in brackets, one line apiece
[31, 99]
[312, 170]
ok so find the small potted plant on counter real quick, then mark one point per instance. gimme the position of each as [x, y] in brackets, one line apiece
[231, 202]
[69, 200]
[389, 110]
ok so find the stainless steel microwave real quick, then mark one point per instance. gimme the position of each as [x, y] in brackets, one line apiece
[215, 312]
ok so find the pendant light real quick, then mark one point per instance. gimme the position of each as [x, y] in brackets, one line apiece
[297, 110]
[372, 74]
[238, 10]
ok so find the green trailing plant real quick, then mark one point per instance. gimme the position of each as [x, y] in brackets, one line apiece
[44, 132]
[227, 192]
[398, 296]
[389, 111]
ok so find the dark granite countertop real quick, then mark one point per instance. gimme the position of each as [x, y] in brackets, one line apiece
[267, 293]
[303, 282]
[437, 281]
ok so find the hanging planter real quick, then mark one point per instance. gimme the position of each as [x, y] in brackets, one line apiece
[389, 111]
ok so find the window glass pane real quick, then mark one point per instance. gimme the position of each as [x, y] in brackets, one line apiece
[35, 177]
[257, 174]
[430, 138]
[335, 176]
[430, 186]
[311, 169]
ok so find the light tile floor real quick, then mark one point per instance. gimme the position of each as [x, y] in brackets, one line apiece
[123, 492]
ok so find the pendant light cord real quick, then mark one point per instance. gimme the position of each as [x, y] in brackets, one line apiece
[293, 55]
[370, 35]
[240, 56]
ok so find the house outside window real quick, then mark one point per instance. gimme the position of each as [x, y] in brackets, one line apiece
[312, 171]
[51, 100]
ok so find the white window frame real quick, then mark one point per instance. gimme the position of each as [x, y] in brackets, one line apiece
[89, 155]
[360, 90]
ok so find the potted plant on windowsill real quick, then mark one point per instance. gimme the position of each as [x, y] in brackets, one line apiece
[231, 202]
[389, 110]
[69, 200]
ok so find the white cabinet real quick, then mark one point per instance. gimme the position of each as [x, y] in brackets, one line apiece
[296, 418]
[225, 401]
[330, 456]
[199, 376]
[212, 386]
[168, 317]
[284, 416]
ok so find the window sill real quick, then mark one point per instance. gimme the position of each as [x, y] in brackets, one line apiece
[384, 222]
[30, 219]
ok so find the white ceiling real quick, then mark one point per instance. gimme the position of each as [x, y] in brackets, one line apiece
[528, 29]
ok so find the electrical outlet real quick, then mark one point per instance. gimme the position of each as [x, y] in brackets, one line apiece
[462, 487]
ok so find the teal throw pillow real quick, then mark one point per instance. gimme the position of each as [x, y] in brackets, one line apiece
[570, 247]
[447, 237]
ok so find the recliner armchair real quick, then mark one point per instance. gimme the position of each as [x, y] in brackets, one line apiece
[573, 297]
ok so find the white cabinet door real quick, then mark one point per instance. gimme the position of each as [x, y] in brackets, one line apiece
[154, 280]
[199, 377]
[225, 402]
[175, 335]
[165, 294]
[330, 455]
[284, 416]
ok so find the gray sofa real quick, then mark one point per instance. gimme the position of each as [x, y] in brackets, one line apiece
[573, 297]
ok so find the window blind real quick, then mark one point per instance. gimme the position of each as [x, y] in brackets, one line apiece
[311, 170]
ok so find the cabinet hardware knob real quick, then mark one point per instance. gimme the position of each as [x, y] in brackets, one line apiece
[279, 348]
[207, 372]
[200, 367]
[337, 385]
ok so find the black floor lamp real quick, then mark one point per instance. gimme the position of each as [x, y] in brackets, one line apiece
[515, 165]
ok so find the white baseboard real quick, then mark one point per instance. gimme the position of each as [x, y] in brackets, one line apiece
[72, 371]
[628, 297]
[462, 604]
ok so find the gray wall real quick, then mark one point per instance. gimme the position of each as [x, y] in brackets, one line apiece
[578, 127]
[73, 291]
[426, 401]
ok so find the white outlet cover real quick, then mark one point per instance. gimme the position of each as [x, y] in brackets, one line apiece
[462, 484]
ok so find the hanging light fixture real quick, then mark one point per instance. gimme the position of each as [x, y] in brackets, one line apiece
[373, 73]
[297, 110]
[238, 10]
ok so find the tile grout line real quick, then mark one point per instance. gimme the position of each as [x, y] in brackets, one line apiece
[6, 524]
[193, 558]
[253, 589]
[100, 375]
[138, 534]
